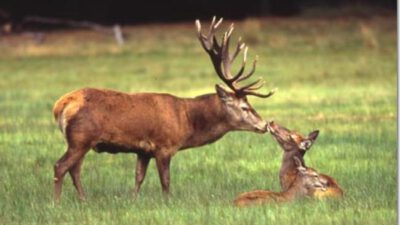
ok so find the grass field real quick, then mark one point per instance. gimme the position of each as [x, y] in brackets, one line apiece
[337, 75]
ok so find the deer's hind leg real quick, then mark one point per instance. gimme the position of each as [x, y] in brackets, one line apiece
[71, 158]
[75, 175]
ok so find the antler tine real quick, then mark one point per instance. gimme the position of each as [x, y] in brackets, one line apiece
[253, 69]
[198, 26]
[213, 28]
[210, 29]
[260, 95]
[229, 33]
[201, 36]
[213, 22]
[250, 86]
[257, 85]
[226, 59]
[225, 44]
[240, 45]
[218, 23]
[237, 77]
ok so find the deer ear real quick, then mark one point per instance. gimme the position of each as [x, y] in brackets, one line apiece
[313, 135]
[297, 161]
[299, 165]
[223, 94]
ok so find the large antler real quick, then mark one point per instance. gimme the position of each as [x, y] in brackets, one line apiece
[222, 60]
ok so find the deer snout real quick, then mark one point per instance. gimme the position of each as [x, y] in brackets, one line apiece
[320, 187]
[262, 126]
[270, 126]
[321, 184]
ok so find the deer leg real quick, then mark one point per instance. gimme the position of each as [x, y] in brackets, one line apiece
[163, 171]
[141, 168]
[57, 177]
[75, 175]
[64, 164]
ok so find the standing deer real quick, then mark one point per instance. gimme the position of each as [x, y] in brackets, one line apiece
[155, 125]
[296, 145]
[304, 184]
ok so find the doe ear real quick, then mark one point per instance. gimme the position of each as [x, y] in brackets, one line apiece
[297, 161]
[299, 165]
[313, 135]
[222, 93]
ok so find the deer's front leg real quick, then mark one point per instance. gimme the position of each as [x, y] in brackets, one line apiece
[163, 162]
[141, 168]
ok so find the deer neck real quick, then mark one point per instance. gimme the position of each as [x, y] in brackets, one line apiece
[294, 191]
[207, 120]
[288, 170]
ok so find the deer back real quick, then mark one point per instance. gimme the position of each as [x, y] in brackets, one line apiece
[102, 118]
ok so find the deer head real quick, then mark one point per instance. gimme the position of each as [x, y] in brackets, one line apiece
[291, 140]
[240, 114]
[309, 179]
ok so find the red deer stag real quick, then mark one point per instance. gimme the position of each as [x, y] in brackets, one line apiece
[155, 125]
[305, 183]
[296, 145]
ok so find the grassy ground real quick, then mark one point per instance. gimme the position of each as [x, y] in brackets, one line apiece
[335, 75]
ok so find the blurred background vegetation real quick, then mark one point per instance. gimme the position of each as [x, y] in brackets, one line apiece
[129, 12]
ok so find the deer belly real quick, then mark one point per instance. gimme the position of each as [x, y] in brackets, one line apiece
[142, 148]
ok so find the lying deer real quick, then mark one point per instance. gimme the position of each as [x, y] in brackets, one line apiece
[296, 145]
[305, 183]
[155, 125]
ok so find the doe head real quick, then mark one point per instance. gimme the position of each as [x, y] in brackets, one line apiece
[291, 140]
[309, 178]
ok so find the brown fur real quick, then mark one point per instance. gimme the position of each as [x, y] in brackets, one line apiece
[305, 183]
[290, 142]
[333, 190]
[259, 197]
[148, 124]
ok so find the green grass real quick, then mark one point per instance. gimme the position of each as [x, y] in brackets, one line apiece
[335, 75]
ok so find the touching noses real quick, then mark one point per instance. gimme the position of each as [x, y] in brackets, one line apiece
[261, 125]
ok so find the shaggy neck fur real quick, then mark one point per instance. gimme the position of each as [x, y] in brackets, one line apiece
[207, 120]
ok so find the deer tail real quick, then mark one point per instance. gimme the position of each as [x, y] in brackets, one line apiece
[64, 108]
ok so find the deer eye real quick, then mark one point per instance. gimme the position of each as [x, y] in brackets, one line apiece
[245, 108]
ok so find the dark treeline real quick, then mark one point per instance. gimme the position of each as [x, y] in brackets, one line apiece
[133, 11]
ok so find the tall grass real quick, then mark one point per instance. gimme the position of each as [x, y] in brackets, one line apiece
[329, 78]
